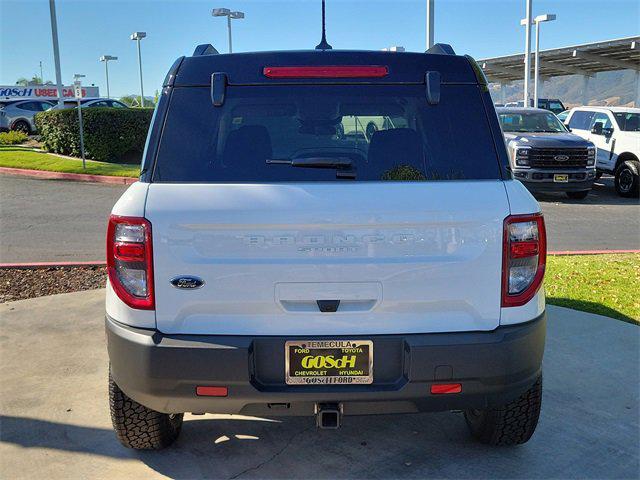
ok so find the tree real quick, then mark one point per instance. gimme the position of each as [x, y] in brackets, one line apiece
[35, 80]
[134, 101]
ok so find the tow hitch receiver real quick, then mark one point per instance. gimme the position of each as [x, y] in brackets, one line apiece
[328, 415]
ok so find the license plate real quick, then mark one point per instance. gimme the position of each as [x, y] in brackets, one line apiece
[561, 178]
[334, 362]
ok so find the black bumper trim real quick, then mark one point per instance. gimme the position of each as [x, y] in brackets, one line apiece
[549, 186]
[161, 371]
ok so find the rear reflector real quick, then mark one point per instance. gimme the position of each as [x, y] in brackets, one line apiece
[212, 391]
[444, 388]
[327, 71]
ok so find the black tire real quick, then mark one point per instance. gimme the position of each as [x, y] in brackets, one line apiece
[627, 182]
[511, 424]
[22, 126]
[139, 427]
[581, 195]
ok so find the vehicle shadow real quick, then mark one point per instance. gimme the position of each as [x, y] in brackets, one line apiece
[590, 307]
[602, 193]
[410, 446]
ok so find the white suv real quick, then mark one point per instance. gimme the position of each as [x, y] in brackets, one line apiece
[615, 131]
[268, 263]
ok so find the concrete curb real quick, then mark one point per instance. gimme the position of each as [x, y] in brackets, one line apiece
[103, 263]
[74, 177]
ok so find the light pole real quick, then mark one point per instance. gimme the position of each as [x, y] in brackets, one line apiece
[430, 19]
[106, 59]
[56, 50]
[527, 54]
[137, 36]
[547, 17]
[225, 12]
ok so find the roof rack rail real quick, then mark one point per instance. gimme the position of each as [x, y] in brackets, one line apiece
[205, 49]
[441, 49]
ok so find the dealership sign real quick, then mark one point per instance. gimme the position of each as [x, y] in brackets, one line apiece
[44, 92]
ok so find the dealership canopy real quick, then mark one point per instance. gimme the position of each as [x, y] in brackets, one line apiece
[586, 59]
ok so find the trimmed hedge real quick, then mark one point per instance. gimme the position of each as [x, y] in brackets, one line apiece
[115, 135]
[12, 137]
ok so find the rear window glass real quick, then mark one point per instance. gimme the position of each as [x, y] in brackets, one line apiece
[305, 133]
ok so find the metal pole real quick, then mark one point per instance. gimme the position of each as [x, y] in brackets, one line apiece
[527, 54]
[536, 67]
[56, 50]
[430, 12]
[84, 161]
[229, 31]
[140, 66]
[41, 75]
[106, 71]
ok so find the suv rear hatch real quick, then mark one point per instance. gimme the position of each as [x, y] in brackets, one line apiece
[316, 208]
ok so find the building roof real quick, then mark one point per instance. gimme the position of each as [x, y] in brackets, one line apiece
[586, 59]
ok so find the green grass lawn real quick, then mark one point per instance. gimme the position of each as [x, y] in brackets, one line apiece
[603, 284]
[21, 157]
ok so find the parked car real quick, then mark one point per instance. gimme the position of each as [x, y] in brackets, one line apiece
[552, 104]
[90, 103]
[615, 131]
[247, 266]
[19, 114]
[544, 155]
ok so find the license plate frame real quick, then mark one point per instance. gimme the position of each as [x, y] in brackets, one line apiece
[561, 178]
[339, 349]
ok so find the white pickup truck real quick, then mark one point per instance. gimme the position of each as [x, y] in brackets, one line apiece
[267, 263]
[615, 131]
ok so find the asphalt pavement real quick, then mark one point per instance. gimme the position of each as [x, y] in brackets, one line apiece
[54, 415]
[50, 220]
[54, 221]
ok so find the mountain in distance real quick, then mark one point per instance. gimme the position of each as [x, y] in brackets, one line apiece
[617, 88]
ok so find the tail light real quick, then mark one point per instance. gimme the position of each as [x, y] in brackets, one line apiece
[327, 71]
[130, 261]
[524, 258]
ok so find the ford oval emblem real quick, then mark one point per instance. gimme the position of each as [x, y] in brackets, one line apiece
[561, 158]
[187, 282]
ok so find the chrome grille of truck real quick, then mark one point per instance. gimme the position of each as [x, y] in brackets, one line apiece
[548, 157]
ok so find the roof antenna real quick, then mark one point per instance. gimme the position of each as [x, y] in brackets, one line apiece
[323, 45]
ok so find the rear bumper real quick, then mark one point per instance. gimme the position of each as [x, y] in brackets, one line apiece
[162, 371]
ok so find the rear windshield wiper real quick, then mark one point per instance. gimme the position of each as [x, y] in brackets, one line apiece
[343, 165]
[314, 162]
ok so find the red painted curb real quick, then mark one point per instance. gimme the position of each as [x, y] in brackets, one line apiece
[591, 252]
[35, 265]
[75, 177]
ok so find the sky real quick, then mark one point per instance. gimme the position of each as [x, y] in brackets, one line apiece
[91, 28]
